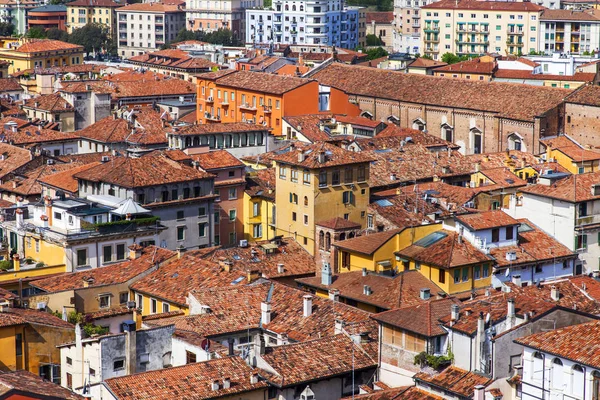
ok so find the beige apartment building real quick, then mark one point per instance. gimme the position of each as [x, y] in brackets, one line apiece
[471, 27]
[102, 12]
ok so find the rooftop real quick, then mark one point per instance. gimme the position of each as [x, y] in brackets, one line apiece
[192, 381]
[44, 45]
[49, 102]
[261, 184]
[155, 7]
[399, 393]
[21, 384]
[110, 275]
[20, 316]
[367, 244]
[474, 66]
[573, 188]
[524, 6]
[227, 127]
[400, 291]
[570, 15]
[65, 180]
[587, 95]
[263, 83]
[379, 17]
[173, 58]
[309, 125]
[514, 101]
[421, 62]
[308, 156]
[570, 148]
[10, 85]
[454, 380]
[338, 223]
[486, 220]
[12, 158]
[217, 159]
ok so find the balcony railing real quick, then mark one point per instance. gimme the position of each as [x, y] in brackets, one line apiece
[247, 107]
[581, 222]
[516, 33]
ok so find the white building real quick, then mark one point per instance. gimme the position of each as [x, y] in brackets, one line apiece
[407, 25]
[560, 364]
[570, 31]
[206, 15]
[146, 27]
[320, 22]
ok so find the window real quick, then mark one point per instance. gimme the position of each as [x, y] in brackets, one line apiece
[322, 178]
[495, 235]
[348, 175]
[57, 215]
[257, 230]
[202, 212]
[216, 218]
[123, 297]
[293, 198]
[293, 216]
[140, 301]
[255, 209]
[82, 257]
[107, 253]
[457, 275]
[19, 345]
[581, 242]
[582, 209]
[370, 221]
[232, 215]
[361, 175]
[477, 272]
[69, 381]
[305, 219]
[335, 177]
[441, 276]
[509, 233]
[294, 175]
[232, 193]
[190, 357]
[119, 365]
[165, 308]
[201, 230]
[348, 197]
[180, 215]
[282, 172]
[486, 271]
[465, 274]
[181, 233]
[153, 303]
[104, 300]
[306, 177]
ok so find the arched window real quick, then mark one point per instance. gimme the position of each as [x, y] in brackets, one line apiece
[327, 241]
[578, 380]
[321, 239]
[287, 8]
[515, 142]
[537, 367]
[350, 235]
[305, 201]
[196, 141]
[447, 133]
[293, 8]
[419, 125]
[188, 142]
[167, 359]
[557, 374]
[476, 141]
[342, 236]
[301, 8]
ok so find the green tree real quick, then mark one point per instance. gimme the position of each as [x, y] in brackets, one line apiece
[267, 3]
[450, 58]
[57, 34]
[376, 53]
[6, 29]
[93, 37]
[221, 36]
[427, 57]
[35, 33]
[373, 40]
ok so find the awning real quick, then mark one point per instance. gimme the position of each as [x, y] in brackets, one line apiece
[130, 207]
[385, 263]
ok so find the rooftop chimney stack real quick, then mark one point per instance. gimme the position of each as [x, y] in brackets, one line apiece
[307, 305]
[516, 280]
[554, 293]
[265, 313]
[280, 268]
[16, 262]
[253, 378]
[226, 383]
[334, 294]
[454, 312]
[326, 275]
[364, 272]
[214, 385]
[479, 393]
[511, 313]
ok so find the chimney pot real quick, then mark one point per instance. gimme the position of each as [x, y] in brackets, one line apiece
[226, 383]
[555, 293]
[253, 378]
[215, 385]
[265, 313]
[454, 312]
[364, 272]
[307, 303]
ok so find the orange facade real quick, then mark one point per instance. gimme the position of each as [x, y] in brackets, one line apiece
[218, 103]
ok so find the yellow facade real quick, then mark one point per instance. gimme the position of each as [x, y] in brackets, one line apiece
[264, 217]
[43, 54]
[445, 278]
[301, 202]
[9, 361]
[30, 273]
[572, 165]
[383, 259]
[146, 304]
[40, 250]
[80, 15]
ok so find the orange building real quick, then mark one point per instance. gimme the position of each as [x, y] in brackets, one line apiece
[261, 98]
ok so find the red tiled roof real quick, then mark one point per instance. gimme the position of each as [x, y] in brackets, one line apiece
[359, 121]
[422, 319]
[31, 134]
[587, 95]
[570, 15]
[425, 63]
[367, 244]
[400, 291]
[487, 220]
[334, 156]
[475, 66]
[20, 316]
[573, 189]
[380, 17]
[158, 7]
[14, 158]
[10, 85]
[49, 102]
[522, 74]
[109, 275]
[26, 385]
[578, 343]
[41, 45]
[338, 223]
[216, 160]
[263, 83]
[309, 125]
[192, 381]
[400, 393]
[149, 170]
[261, 184]
[570, 148]
[515, 101]
[228, 127]
[318, 359]
[94, 3]
[484, 5]
[173, 58]
[65, 180]
[455, 380]
[28, 184]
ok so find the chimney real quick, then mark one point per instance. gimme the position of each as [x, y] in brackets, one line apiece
[180, 251]
[44, 219]
[48, 208]
[338, 326]
[511, 313]
[130, 346]
[307, 305]
[326, 276]
[65, 316]
[226, 383]
[137, 317]
[301, 156]
[16, 262]
[367, 290]
[135, 251]
[554, 293]
[19, 217]
[425, 293]
[516, 280]
[364, 272]
[454, 312]
[480, 339]
[214, 385]
[230, 343]
[487, 292]
[479, 393]
[280, 268]
[265, 313]
[321, 157]
[253, 378]
[334, 294]
[477, 166]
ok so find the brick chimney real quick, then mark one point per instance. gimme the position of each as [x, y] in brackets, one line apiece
[135, 251]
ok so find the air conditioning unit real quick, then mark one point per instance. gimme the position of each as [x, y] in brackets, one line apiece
[105, 159]
[210, 98]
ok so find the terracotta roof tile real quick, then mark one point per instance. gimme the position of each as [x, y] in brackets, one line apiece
[454, 379]
[367, 244]
[19, 316]
[228, 127]
[264, 83]
[309, 125]
[574, 188]
[158, 7]
[85, 158]
[511, 159]
[132, 88]
[422, 319]
[94, 3]
[292, 70]
[334, 156]
[525, 75]
[13, 158]
[451, 197]
[216, 160]
[586, 95]
[29, 183]
[149, 170]
[421, 62]
[401, 393]
[49, 102]
[109, 275]
[31, 134]
[261, 184]
[474, 66]
[108, 313]
[578, 343]
[400, 291]
[447, 252]
[570, 15]
[192, 381]
[65, 180]
[571, 148]
[25, 382]
[516, 101]
[487, 220]
[380, 17]
[338, 223]
[42, 45]
[9, 85]
[173, 58]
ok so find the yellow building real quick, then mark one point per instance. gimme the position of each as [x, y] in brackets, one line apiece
[28, 339]
[316, 183]
[571, 155]
[100, 12]
[473, 28]
[41, 53]
[375, 252]
[259, 205]
[448, 260]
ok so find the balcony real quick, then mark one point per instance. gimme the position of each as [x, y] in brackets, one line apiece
[516, 33]
[585, 221]
[461, 30]
[294, 23]
[210, 117]
[429, 29]
[516, 44]
[267, 110]
[294, 33]
[261, 22]
[209, 99]
[247, 107]
[431, 40]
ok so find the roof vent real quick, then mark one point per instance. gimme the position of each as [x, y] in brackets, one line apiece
[554, 293]
[301, 157]
[105, 159]
[367, 290]
[280, 268]
[511, 256]
[425, 293]
[215, 384]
